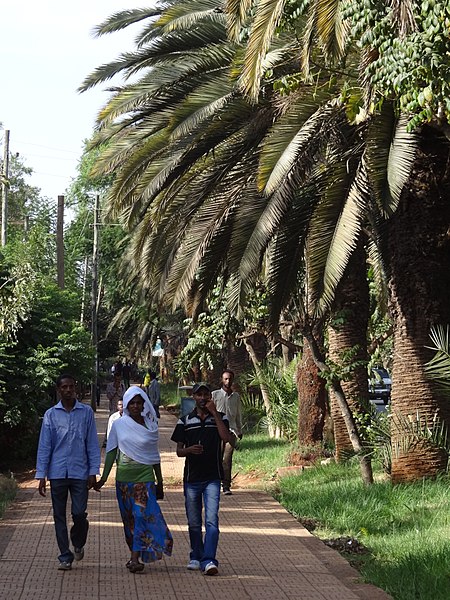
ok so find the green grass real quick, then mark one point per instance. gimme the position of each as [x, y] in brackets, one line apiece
[259, 456]
[406, 527]
[169, 394]
[8, 489]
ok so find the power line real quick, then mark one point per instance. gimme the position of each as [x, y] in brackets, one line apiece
[53, 175]
[48, 157]
[47, 147]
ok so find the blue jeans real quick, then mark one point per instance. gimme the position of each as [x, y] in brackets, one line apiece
[195, 494]
[60, 489]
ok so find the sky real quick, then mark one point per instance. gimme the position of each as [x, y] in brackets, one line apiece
[47, 49]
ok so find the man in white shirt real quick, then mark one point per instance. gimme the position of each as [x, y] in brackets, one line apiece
[116, 415]
[229, 402]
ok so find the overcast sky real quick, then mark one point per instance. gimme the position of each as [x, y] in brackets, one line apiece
[47, 49]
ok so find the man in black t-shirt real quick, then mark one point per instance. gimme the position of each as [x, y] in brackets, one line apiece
[200, 436]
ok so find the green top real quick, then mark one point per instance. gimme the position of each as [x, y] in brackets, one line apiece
[129, 470]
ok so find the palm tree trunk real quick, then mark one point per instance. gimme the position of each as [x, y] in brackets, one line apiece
[335, 386]
[419, 254]
[348, 331]
[312, 399]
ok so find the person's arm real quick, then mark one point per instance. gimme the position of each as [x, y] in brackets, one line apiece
[183, 450]
[110, 423]
[223, 430]
[238, 415]
[159, 481]
[93, 449]
[43, 455]
[109, 461]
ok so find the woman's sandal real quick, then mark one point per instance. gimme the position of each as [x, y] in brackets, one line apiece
[134, 566]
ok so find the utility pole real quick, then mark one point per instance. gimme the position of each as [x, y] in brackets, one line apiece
[60, 243]
[5, 185]
[95, 254]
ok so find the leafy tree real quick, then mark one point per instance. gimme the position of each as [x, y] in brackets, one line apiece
[39, 330]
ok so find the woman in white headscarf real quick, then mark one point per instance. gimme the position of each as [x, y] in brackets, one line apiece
[133, 444]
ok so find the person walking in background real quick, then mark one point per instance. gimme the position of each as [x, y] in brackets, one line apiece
[146, 381]
[154, 392]
[69, 457]
[98, 392]
[199, 437]
[229, 402]
[133, 443]
[116, 415]
[114, 392]
[116, 369]
[126, 374]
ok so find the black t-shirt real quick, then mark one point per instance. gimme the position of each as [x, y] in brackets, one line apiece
[191, 430]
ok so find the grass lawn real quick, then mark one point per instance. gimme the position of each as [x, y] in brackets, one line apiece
[406, 528]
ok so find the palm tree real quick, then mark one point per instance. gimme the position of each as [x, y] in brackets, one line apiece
[406, 72]
[185, 196]
[185, 145]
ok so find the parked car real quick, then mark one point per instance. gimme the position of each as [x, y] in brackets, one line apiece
[380, 384]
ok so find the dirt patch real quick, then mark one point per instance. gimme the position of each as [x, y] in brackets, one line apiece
[23, 472]
[248, 480]
[347, 545]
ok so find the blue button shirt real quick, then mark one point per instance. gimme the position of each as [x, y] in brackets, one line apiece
[68, 444]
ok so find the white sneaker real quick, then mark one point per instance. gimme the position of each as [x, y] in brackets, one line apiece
[211, 569]
[194, 565]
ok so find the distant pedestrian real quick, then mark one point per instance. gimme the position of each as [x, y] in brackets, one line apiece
[114, 392]
[69, 457]
[199, 437]
[229, 402]
[117, 367]
[116, 415]
[126, 374]
[154, 392]
[98, 393]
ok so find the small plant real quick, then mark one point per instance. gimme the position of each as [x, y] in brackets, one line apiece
[8, 489]
[280, 382]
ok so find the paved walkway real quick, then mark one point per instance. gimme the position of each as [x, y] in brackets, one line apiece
[263, 551]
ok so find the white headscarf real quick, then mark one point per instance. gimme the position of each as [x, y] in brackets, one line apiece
[134, 440]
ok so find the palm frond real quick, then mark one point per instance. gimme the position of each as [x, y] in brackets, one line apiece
[122, 19]
[263, 29]
[237, 13]
[186, 15]
[286, 252]
[438, 368]
[389, 166]
[325, 24]
[295, 133]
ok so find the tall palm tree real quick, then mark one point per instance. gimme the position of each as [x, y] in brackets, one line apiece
[185, 195]
[407, 73]
[183, 141]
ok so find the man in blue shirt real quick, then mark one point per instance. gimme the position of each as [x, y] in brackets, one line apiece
[69, 457]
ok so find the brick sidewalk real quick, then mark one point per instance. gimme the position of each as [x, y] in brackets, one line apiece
[263, 551]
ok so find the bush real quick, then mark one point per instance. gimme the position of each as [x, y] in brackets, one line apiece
[8, 490]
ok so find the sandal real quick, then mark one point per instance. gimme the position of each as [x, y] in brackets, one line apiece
[134, 566]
